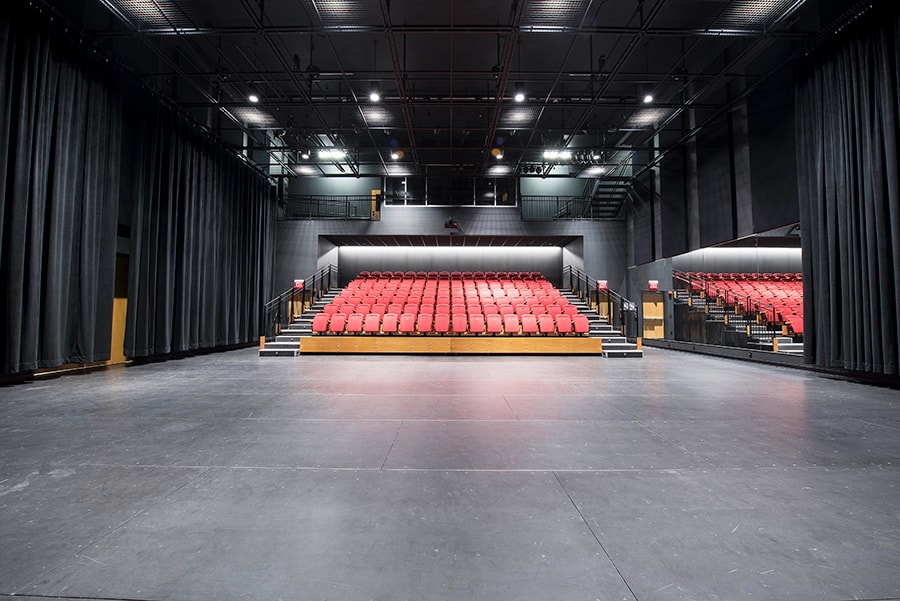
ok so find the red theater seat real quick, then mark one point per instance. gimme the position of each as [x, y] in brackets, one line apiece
[337, 323]
[372, 323]
[511, 324]
[389, 323]
[546, 324]
[407, 323]
[494, 324]
[424, 323]
[442, 323]
[563, 324]
[581, 324]
[460, 324]
[355, 323]
[476, 323]
[529, 324]
[320, 323]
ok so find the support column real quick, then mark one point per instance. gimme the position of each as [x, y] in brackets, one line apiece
[691, 188]
[741, 193]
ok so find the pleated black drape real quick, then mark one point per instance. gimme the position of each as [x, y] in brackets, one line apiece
[202, 242]
[60, 135]
[848, 113]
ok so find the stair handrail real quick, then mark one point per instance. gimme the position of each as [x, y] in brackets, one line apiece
[748, 304]
[622, 312]
[279, 311]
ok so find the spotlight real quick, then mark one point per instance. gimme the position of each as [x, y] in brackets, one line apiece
[253, 98]
[520, 93]
[648, 98]
[375, 92]
[304, 155]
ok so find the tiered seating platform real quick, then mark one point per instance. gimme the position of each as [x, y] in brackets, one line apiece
[778, 296]
[451, 313]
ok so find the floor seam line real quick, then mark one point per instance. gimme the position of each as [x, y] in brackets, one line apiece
[391, 448]
[505, 400]
[596, 538]
[105, 536]
[682, 448]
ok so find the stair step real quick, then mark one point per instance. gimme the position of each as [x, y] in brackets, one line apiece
[622, 345]
[614, 354]
[278, 353]
[292, 338]
[279, 345]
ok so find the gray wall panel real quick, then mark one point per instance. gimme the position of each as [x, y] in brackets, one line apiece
[714, 173]
[547, 260]
[601, 244]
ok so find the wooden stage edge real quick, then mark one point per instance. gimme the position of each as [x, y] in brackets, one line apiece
[451, 345]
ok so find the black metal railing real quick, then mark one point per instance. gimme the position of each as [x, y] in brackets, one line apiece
[360, 206]
[620, 312]
[281, 311]
[742, 303]
[560, 208]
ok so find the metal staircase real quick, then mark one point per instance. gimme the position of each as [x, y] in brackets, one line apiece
[739, 326]
[614, 344]
[287, 341]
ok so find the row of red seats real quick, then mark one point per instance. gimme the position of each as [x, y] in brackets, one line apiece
[783, 292]
[461, 323]
[520, 309]
[450, 275]
[740, 276]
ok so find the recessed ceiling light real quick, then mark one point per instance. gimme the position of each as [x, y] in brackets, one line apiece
[648, 98]
[253, 98]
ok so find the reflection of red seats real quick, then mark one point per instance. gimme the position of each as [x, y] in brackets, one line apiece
[389, 323]
[320, 323]
[337, 323]
[581, 324]
[494, 324]
[372, 323]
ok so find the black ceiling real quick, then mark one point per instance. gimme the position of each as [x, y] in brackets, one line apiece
[448, 71]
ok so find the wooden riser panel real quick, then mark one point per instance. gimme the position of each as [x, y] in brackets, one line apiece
[452, 345]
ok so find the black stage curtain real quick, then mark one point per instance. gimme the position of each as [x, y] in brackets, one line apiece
[848, 108]
[202, 241]
[60, 135]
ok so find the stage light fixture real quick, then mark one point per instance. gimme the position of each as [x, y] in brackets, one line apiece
[519, 93]
[375, 92]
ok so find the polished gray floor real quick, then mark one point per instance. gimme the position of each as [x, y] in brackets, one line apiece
[230, 477]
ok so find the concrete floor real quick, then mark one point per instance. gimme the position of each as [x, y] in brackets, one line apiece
[227, 476]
